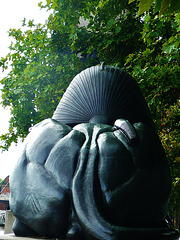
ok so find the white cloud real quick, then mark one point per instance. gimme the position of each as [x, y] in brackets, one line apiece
[12, 12]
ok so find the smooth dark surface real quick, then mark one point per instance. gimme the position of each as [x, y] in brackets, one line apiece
[98, 179]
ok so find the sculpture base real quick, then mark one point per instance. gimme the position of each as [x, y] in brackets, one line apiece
[171, 234]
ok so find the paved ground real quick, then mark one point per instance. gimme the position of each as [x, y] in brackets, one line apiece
[11, 236]
[1, 230]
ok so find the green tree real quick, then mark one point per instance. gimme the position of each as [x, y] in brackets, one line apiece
[112, 29]
[156, 68]
[38, 77]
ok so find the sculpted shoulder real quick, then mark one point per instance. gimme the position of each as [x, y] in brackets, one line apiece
[42, 139]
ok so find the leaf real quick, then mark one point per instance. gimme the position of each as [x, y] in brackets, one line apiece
[118, 29]
[24, 22]
[164, 6]
[144, 5]
[167, 89]
[157, 6]
[174, 6]
[48, 2]
[147, 18]
[40, 4]
[168, 48]
[130, 1]
[177, 18]
[111, 22]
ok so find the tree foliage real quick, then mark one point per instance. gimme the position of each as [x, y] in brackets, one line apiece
[1, 181]
[141, 37]
[156, 68]
[112, 28]
[37, 80]
[161, 6]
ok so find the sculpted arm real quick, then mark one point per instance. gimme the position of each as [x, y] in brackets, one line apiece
[35, 194]
[135, 183]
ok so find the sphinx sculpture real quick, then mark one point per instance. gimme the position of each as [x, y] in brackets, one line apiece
[97, 169]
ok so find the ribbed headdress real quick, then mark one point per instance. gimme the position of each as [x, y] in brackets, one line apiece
[107, 92]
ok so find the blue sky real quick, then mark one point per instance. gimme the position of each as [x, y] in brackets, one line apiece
[12, 12]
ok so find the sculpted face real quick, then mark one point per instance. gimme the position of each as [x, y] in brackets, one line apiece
[89, 173]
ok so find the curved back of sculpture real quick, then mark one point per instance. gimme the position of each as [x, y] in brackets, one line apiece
[102, 95]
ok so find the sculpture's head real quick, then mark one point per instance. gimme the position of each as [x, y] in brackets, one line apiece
[102, 95]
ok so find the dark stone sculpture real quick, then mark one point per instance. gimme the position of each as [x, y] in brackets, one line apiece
[97, 169]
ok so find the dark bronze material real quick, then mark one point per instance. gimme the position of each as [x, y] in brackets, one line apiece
[97, 169]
